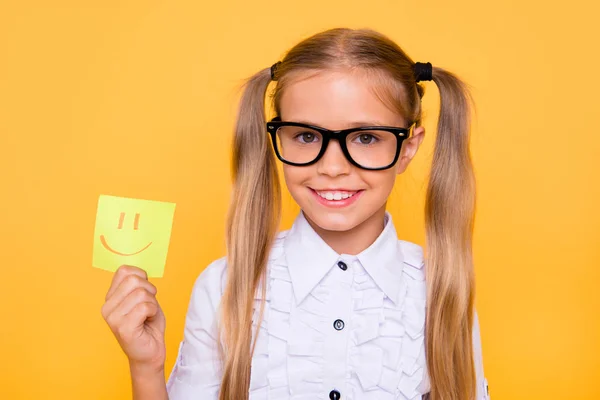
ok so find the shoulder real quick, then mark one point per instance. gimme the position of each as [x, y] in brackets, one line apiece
[208, 288]
[213, 275]
[211, 281]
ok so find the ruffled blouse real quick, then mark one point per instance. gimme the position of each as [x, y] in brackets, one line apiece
[335, 326]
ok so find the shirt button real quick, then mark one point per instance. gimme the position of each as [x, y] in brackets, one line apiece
[342, 266]
[338, 324]
[335, 395]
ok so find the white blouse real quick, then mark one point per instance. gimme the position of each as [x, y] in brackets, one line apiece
[336, 326]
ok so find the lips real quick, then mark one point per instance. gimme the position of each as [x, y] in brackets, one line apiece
[336, 197]
[335, 194]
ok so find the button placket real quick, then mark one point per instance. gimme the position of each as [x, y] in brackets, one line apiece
[339, 324]
[339, 310]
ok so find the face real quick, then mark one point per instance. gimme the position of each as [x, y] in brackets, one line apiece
[339, 100]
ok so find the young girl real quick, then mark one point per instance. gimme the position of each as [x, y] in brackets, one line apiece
[336, 307]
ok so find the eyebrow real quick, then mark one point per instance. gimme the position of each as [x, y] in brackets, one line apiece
[355, 124]
[366, 123]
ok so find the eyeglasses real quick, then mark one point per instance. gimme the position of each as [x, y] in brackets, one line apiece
[367, 147]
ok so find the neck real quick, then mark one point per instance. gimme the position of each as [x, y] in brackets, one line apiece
[355, 240]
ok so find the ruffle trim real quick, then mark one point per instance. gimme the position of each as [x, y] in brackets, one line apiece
[387, 349]
[386, 341]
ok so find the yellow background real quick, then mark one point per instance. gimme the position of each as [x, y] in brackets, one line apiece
[137, 99]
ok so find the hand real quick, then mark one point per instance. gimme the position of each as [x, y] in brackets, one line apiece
[136, 319]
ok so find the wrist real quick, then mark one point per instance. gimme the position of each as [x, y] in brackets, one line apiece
[148, 382]
[144, 371]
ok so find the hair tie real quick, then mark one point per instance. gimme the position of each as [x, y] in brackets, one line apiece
[274, 69]
[423, 71]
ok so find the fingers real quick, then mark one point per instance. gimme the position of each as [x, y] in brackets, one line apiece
[139, 314]
[130, 326]
[131, 322]
[123, 272]
[120, 316]
[132, 289]
[138, 296]
[128, 284]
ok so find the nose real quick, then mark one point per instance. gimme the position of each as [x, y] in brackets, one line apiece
[333, 162]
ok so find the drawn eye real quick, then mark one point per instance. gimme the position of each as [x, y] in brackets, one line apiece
[121, 219]
[136, 222]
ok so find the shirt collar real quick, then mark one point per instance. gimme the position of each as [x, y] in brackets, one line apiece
[309, 258]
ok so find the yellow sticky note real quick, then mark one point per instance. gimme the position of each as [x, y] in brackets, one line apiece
[133, 232]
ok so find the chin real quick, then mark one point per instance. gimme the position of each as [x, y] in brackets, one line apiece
[337, 221]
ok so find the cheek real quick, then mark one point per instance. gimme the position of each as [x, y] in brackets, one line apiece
[380, 182]
[295, 176]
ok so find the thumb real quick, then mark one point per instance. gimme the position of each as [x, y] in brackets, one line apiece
[157, 319]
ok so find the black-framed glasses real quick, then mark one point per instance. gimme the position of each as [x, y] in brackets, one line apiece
[367, 147]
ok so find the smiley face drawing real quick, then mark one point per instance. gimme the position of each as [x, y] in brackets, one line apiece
[135, 227]
[133, 232]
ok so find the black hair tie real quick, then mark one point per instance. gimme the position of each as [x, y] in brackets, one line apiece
[423, 71]
[274, 70]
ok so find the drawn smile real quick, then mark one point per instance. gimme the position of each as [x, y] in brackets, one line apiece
[107, 247]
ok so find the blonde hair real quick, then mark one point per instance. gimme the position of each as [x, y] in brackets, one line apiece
[254, 212]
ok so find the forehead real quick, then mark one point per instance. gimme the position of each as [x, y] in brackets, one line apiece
[335, 100]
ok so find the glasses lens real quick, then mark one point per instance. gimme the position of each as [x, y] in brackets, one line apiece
[373, 148]
[297, 144]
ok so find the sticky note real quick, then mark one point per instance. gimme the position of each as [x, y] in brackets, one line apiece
[133, 232]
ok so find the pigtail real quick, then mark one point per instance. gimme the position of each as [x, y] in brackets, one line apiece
[252, 224]
[449, 218]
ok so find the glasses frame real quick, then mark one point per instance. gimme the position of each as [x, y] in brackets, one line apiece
[340, 135]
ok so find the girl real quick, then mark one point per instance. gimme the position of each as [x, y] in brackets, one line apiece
[336, 307]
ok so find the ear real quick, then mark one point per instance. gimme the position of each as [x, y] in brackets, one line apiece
[409, 149]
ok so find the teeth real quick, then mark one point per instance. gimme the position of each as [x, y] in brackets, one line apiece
[335, 195]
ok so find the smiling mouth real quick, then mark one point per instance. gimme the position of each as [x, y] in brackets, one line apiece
[107, 247]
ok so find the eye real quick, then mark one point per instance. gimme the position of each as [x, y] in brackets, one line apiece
[307, 137]
[366, 138]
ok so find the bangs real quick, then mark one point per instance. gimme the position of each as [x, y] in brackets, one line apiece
[391, 92]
